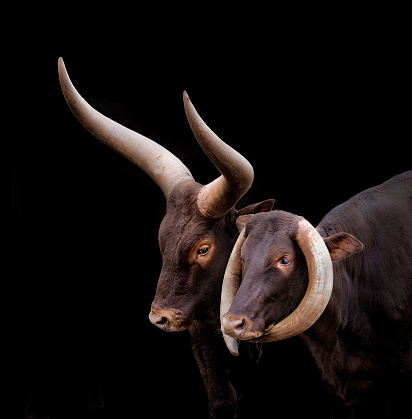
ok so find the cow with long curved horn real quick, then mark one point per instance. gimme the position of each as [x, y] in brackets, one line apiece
[317, 295]
[347, 300]
[196, 235]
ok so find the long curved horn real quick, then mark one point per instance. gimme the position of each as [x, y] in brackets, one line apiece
[230, 286]
[218, 197]
[319, 288]
[161, 165]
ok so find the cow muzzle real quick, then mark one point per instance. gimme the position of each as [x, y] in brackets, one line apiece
[239, 327]
[169, 320]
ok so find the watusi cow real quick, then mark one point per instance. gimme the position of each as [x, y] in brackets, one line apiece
[196, 234]
[344, 288]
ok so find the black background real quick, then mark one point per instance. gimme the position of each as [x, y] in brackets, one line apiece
[320, 107]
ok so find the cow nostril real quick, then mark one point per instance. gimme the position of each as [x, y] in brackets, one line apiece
[239, 327]
[162, 321]
[158, 321]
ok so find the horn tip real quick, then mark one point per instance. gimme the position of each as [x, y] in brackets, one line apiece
[185, 95]
[232, 344]
[60, 65]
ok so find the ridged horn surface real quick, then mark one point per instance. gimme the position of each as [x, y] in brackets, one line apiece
[230, 287]
[218, 197]
[161, 165]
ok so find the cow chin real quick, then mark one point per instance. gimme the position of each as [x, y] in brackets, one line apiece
[170, 319]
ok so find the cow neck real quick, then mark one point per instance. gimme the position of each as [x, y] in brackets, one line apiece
[324, 346]
[326, 340]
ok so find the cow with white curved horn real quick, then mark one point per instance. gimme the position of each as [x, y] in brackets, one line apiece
[344, 288]
[196, 234]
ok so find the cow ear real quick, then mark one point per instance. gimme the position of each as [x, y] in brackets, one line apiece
[264, 206]
[342, 245]
[242, 220]
[242, 216]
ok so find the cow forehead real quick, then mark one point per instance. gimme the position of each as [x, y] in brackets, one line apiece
[181, 208]
[178, 226]
[262, 245]
[183, 200]
[272, 222]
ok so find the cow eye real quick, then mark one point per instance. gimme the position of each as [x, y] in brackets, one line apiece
[203, 250]
[285, 261]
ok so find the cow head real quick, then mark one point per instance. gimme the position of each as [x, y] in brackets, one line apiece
[198, 230]
[279, 277]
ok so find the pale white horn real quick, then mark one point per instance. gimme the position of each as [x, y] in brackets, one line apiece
[160, 164]
[219, 196]
[230, 286]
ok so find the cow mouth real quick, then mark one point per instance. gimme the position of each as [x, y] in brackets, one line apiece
[170, 319]
[240, 327]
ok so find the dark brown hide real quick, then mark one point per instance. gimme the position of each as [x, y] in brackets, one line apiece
[363, 338]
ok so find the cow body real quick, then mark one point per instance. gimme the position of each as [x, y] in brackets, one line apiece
[363, 338]
[365, 333]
